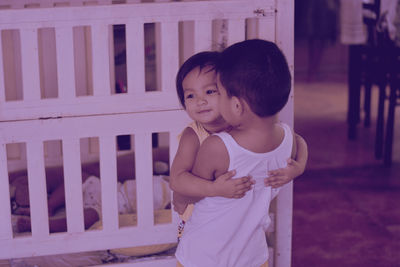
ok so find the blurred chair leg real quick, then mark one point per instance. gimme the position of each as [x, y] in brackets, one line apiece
[390, 125]
[380, 121]
[367, 104]
[354, 90]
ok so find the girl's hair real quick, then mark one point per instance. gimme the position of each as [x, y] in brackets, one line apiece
[257, 71]
[201, 60]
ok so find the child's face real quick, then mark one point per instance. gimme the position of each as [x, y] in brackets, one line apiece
[201, 95]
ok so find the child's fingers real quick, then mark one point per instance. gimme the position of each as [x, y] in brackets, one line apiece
[228, 175]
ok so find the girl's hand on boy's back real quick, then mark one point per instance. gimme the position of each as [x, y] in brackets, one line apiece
[225, 186]
[280, 177]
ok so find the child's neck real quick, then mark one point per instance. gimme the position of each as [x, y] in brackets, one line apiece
[216, 126]
[258, 134]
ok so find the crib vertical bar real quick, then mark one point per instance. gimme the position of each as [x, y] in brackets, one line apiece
[236, 31]
[135, 57]
[202, 35]
[30, 64]
[108, 173]
[73, 184]
[2, 84]
[169, 55]
[285, 40]
[100, 60]
[173, 143]
[144, 179]
[266, 28]
[5, 211]
[37, 188]
[251, 28]
[65, 62]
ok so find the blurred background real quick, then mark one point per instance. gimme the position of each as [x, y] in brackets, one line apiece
[346, 204]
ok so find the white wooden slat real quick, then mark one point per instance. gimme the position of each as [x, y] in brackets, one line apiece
[62, 243]
[108, 178]
[135, 57]
[164, 262]
[37, 189]
[266, 28]
[283, 226]
[251, 28]
[236, 31]
[284, 35]
[73, 184]
[88, 127]
[173, 148]
[65, 62]
[30, 64]
[169, 55]
[100, 59]
[5, 210]
[2, 84]
[144, 179]
[202, 35]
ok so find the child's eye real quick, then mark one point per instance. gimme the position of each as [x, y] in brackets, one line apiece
[212, 91]
[189, 96]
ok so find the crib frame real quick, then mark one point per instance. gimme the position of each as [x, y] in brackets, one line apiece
[33, 120]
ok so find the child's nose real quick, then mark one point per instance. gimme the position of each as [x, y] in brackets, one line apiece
[201, 101]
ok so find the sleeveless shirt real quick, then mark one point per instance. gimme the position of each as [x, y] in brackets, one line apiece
[224, 232]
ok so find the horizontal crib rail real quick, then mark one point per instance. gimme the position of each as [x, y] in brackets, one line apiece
[106, 127]
[26, 24]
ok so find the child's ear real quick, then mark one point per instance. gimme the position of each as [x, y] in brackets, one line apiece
[237, 105]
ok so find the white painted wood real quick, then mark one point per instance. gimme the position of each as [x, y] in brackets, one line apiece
[164, 262]
[5, 210]
[135, 57]
[169, 56]
[144, 180]
[236, 31]
[108, 178]
[202, 35]
[252, 28]
[100, 59]
[131, 123]
[65, 62]
[47, 63]
[30, 64]
[136, 113]
[37, 189]
[2, 82]
[61, 243]
[73, 184]
[285, 40]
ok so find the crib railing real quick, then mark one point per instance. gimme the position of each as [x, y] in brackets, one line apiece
[27, 23]
[182, 28]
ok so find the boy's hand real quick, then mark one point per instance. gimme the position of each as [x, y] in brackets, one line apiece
[225, 186]
[179, 203]
[280, 177]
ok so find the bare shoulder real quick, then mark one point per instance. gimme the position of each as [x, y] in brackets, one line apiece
[212, 158]
[213, 144]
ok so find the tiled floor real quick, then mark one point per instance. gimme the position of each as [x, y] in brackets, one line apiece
[346, 204]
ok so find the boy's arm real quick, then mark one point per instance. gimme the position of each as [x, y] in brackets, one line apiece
[295, 166]
[193, 188]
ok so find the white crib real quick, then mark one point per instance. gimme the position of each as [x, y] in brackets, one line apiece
[57, 82]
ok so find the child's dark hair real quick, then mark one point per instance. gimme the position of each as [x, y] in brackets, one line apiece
[257, 71]
[201, 60]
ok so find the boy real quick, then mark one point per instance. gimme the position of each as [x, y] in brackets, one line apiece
[198, 94]
[254, 84]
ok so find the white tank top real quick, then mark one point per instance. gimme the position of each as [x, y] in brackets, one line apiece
[224, 232]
